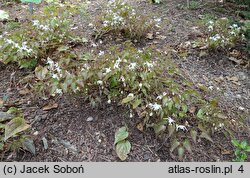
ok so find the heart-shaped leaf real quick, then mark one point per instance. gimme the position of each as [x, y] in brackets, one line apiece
[187, 145]
[121, 134]
[181, 152]
[206, 136]
[28, 144]
[122, 149]
[174, 145]
[15, 126]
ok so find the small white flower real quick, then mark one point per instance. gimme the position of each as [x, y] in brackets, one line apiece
[155, 106]
[109, 101]
[132, 66]
[149, 64]
[131, 115]
[151, 114]
[170, 121]
[210, 28]
[181, 127]
[58, 91]
[221, 125]
[140, 85]
[99, 82]
[108, 70]
[130, 95]
[55, 76]
[101, 53]
[210, 87]
[117, 63]
[241, 108]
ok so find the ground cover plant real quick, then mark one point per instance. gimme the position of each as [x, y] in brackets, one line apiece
[123, 60]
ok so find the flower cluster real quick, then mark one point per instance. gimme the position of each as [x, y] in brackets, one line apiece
[122, 18]
[221, 33]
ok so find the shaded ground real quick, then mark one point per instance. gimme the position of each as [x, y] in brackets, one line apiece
[72, 138]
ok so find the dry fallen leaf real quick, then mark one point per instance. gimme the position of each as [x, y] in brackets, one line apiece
[24, 91]
[192, 110]
[235, 53]
[226, 152]
[234, 79]
[1, 102]
[50, 106]
[150, 36]
[140, 127]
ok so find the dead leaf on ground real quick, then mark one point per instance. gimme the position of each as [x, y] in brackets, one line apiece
[234, 79]
[24, 91]
[235, 53]
[237, 61]
[192, 110]
[140, 126]
[50, 106]
[160, 37]
[219, 79]
[150, 36]
[226, 152]
[1, 103]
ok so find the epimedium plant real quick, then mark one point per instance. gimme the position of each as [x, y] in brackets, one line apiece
[36, 39]
[148, 84]
[123, 19]
[241, 150]
[12, 131]
[221, 33]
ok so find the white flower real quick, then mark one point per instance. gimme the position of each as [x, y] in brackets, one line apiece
[235, 26]
[117, 63]
[140, 85]
[210, 22]
[221, 125]
[109, 101]
[241, 108]
[101, 53]
[130, 95]
[132, 66]
[131, 115]
[55, 76]
[151, 114]
[170, 121]
[58, 91]
[181, 127]
[99, 82]
[210, 28]
[149, 64]
[155, 106]
[108, 70]
[35, 22]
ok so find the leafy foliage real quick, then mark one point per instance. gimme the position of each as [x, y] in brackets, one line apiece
[35, 40]
[12, 127]
[123, 146]
[121, 18]
[241, 150]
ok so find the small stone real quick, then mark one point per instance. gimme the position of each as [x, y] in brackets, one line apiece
[89, 119]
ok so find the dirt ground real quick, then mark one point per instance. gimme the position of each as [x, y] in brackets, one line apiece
[72, 137]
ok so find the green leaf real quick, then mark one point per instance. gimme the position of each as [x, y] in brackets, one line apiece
[121, 134]
[33, 1]
[2, 126]
[243, 156]
[193, 135]
[187, 145]
[181, 152]
[1, 146]
[13, 110]
[174, 145]
[122, 149]
[127, 99]
[159, 128]
[137, 103]
[235, 143]
[3, 15]
[41, 72]
[5, 116]
[28, 144]
[200, 114]
[248, 149]
[171, 130]
[243, 144]
[206, 136]
[15, 126]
